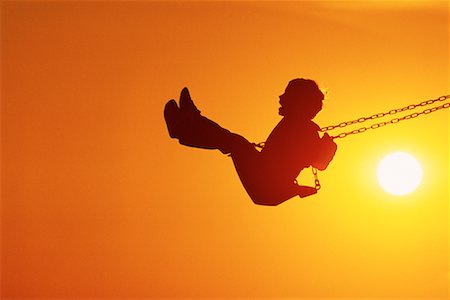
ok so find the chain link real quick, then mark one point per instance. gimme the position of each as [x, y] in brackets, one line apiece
[316, 179]
[259, 145]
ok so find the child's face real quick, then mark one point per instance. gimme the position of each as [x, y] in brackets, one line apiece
[289, 102]
[281, 103]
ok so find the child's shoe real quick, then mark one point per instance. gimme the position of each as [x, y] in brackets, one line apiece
[172, 116]
[187, 106]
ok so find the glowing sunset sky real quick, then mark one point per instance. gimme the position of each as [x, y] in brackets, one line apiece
[98, 201]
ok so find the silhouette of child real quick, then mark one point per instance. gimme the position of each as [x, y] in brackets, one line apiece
[269, 176]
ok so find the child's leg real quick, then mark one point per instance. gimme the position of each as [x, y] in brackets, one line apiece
[192, 129]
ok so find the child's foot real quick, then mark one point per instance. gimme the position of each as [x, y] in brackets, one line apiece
[173, 118]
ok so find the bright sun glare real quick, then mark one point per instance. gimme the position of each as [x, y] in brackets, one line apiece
[399, 173]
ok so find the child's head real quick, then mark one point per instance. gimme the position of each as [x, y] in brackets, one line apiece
[301, 99]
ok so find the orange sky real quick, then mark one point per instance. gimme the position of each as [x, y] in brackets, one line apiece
[98, 202]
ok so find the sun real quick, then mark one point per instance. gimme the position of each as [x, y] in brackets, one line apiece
[399, 173]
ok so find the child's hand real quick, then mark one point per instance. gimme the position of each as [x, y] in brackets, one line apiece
[328, 144]
[328, 139]
[326, 152]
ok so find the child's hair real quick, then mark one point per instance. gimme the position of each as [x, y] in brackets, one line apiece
[302, 98]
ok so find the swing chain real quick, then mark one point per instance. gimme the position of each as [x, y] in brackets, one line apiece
[392, 121]
[380, 115]
[316, 178]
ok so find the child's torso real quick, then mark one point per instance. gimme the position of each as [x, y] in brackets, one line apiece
[290, 147]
